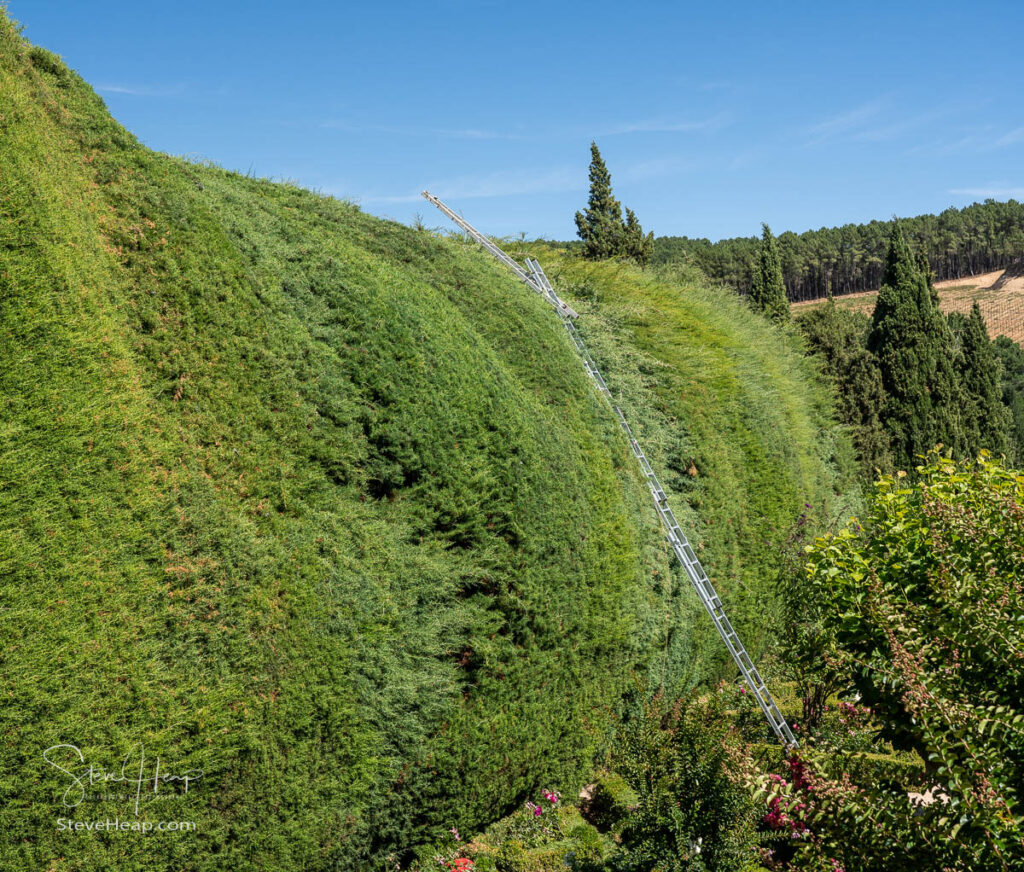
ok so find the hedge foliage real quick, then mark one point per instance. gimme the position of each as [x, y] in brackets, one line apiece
[320, 505]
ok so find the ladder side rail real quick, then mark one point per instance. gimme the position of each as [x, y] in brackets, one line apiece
[485, 242]
[539, 279]
[563, 308]
[709, 598]
[713, 605]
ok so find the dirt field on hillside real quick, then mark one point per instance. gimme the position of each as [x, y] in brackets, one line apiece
[1002, 307]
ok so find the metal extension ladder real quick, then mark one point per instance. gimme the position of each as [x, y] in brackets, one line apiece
[529, 278]
[534, 277]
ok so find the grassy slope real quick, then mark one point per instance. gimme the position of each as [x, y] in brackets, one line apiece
[736, 418]
[318, 504]
[299, 498]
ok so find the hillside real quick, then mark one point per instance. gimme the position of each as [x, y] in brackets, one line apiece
[728, 407]
[999, 294]
[959, 243]
[325, 507]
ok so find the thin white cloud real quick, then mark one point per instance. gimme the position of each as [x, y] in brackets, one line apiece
[969, 142]
[655, 168]
[985, 139]
[443, 132]
[510, 183]
[667, 126]
[876, 121]
[142, 90]
[690, 84]
[992, 193]
[517, 183]
[643, 126]
[1010, 138]
[722, 85]
[852, 120]
[885, 132]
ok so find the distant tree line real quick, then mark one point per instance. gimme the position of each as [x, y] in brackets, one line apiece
[844, 260]
[910, 377]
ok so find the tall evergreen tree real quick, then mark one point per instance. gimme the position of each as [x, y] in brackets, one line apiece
[838, 337]
[914, 347]
[635, 244]
[986, 419]
[1012, 357]
[600, 225]
[768, 290]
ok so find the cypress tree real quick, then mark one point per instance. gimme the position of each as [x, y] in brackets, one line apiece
[838, 337]
[986, 419]
[635, 244]
[1011, 355]
[600, 226]
[768, 290]
[912, 342]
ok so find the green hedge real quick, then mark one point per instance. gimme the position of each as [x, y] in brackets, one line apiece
[320, 505]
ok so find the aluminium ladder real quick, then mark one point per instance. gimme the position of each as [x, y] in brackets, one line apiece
[534, 277]
[545, 290]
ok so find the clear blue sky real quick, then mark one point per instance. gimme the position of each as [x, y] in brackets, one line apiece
[712, 117]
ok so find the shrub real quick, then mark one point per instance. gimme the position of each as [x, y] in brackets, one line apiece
[924, 604]
[611, 801]
[693, 812]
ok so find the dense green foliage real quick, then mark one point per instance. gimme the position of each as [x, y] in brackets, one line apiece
[767, 290]
[843, 260]
[911, 377]
[675, 797]
[325, 506]
[922, 607]
[605, 235]
[600, 226]
[305, 500]
[912, 343]
[636, 246]
[693, 812]
[1011, 355]
[737, 423]
[985, 416]
[839, 338]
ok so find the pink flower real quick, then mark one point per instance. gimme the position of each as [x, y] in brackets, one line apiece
[537, 811]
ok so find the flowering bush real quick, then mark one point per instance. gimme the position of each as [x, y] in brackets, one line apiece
[845, 726]
[922, 607]
[450, 858]
[534, 824]
[693, 811]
